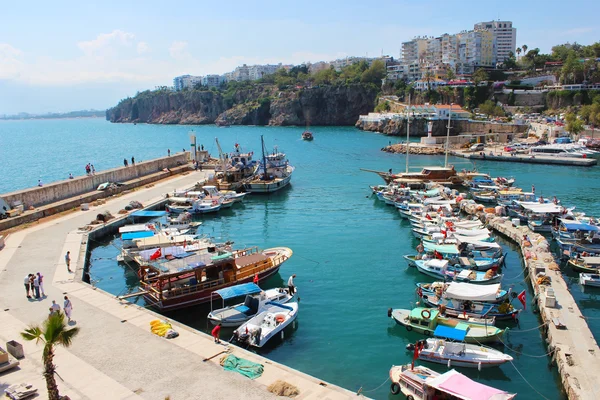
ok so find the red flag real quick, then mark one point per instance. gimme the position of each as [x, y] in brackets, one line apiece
[415, 355]
[255, 280]
[438, 255]
[155, 255]
[521, 298]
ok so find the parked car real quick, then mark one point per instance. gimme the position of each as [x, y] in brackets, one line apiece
[477, 147]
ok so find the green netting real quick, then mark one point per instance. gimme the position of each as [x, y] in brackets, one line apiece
[247, 368]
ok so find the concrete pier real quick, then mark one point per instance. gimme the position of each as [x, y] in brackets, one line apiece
[115, 356]
[525, 158]
[575, 350]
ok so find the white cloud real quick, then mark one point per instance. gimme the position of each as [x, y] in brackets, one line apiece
[107, 44]
[142, 47]
[579, 31]
[11, 63]
[179, 50]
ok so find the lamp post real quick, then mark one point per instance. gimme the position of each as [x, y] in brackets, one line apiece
[448, 135]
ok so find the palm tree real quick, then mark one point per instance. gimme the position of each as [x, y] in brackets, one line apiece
[53, 332]
[428, 78]
[524, 47]
[518, 52]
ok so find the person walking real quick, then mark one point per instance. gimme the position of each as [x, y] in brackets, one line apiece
[27, 283]
[216, 333]
[93, 169]
[70, 175]
[68, 261]
[132, 160]
[169, 152]
[41, 283]
[55, 307]
[40, 184]
[36, 286]
[125, 162]
[87, 169]
[291, 286]
[68, 307]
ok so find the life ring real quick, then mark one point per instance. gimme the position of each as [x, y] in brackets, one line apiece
[408, 327]
[214, 202]
[395, 388]
[426, 312]
[279, 318]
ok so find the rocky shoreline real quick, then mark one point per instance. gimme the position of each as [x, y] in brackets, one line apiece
[414, 149]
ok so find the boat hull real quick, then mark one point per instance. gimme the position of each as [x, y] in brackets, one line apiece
[267, 186]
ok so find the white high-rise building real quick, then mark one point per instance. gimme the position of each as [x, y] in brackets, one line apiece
[504, 36]
[414, 50]
[213, 80]
[186, 82]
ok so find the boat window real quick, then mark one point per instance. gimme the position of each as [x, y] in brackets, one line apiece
[243, 160]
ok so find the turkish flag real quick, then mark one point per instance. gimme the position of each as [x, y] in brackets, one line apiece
[155, 255]
[521, 298]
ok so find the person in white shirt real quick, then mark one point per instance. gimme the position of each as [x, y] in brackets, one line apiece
[55, 307]
[27, 282]
[291, 286]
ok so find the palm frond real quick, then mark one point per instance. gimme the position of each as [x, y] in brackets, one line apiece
[53, 327]
[33, 333]
[66, 337]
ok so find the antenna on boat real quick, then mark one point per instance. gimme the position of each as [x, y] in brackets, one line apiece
[448, 136]
[407, 132]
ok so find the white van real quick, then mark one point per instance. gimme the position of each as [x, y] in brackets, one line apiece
[477, 147]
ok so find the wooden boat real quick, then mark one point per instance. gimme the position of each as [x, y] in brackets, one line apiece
[421, 383]
[463, 291]
[484, 197]
[442, 175]
[453, 354]
[271, 320]
[274, 173]
[440, 269]
[254, 299]
[589, 279]
[430, 322]
[590, 265]
[307, 135]
[190, 280]
[199, 206]
[233, 169]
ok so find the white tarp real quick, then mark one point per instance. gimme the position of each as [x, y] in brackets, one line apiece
[472, 232]
[541, 208]
[468, 239]
[470, 291]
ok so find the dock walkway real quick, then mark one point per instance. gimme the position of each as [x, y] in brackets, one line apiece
[115, 356]
[577, 354]
[525, 158]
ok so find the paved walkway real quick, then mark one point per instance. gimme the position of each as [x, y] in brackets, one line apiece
[115, 356]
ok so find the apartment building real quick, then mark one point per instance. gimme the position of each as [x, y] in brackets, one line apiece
[213, 80]
[504, 37]
[186, 82]
[415, 49]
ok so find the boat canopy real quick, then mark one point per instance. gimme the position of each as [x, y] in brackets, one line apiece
[148, 213]
[238, 290]
[472, 232]
[136, 235]
[442, 248]
[469, 291]
[450, 333]
[578, 226]
[543, 208]
[458, 385]
[417, 313]
[436, 263]
[464, 274]
[478, 245]
[134, 228]
[470, 239]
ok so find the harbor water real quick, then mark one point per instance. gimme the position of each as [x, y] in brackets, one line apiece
[348, 246]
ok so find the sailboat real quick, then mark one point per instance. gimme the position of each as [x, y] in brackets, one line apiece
[273, 173]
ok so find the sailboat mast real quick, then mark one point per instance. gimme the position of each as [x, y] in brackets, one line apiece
[262, 142]
[221, 154]
[448, 136]
[407, 132]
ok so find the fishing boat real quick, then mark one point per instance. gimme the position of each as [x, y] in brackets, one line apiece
[463, 291]
[441, 175]
[190, 279]
[430, 322]
[590, 265]
[589, 279]
[421, 383]
[307, 135]
[233, 168]
[271, 320]
[454, 354]
[199, 206]
[484, 197]
[274, 173]
[441, 269]
[254, 299]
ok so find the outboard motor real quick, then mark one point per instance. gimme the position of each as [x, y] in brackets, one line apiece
[389, 312]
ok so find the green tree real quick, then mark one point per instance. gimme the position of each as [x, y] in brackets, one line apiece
[375, 73]
[511, 61]
[53, 332]
[524, 47]
[428, 78]
[325, 76]
[518, 52]
[479, 76]
[450, 74]
[574, 125]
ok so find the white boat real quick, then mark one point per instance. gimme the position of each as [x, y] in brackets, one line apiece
[455, 354]
[421, 383]
[255, 299]
[270, 321]
[273, 173]
[589, 279]
[199, 206]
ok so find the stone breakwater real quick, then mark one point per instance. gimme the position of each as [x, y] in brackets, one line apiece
[413, 149]
[571, 344]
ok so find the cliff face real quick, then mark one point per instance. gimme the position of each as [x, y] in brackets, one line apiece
[418, 128]
[260, 105]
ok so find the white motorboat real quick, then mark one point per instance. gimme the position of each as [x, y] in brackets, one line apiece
[199, 206]
[589, 279]
[273, 173]
[454, 354]
[270, 321]
[255, 300]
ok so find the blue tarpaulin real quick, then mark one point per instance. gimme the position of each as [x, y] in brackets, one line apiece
[148, 213]
[573, 226]
[450, 333]
[136, 235]
[238, 290]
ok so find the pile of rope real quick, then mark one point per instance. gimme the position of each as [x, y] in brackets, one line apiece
[543, 280]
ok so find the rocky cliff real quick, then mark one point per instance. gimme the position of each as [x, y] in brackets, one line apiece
[418, 127]
[259, 105]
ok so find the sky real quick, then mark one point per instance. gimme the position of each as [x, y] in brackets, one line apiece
[71, 55]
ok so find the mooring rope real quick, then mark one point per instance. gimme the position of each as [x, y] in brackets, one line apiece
[360, 391]
[530, 329]
[527, 382]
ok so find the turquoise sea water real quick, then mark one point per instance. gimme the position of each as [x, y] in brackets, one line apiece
[347, 246]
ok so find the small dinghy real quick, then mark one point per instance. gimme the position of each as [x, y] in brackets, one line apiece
[459, 354]
[589, 279]
[270, 321]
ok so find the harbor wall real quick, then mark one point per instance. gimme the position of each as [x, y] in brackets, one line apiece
[57, 191]
[571, 345]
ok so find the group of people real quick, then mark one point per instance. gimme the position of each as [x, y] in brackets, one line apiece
[126, 164]
[67, 308]
[34, 286]
[89, 170]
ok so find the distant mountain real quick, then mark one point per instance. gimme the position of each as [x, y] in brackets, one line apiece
[70, 114]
